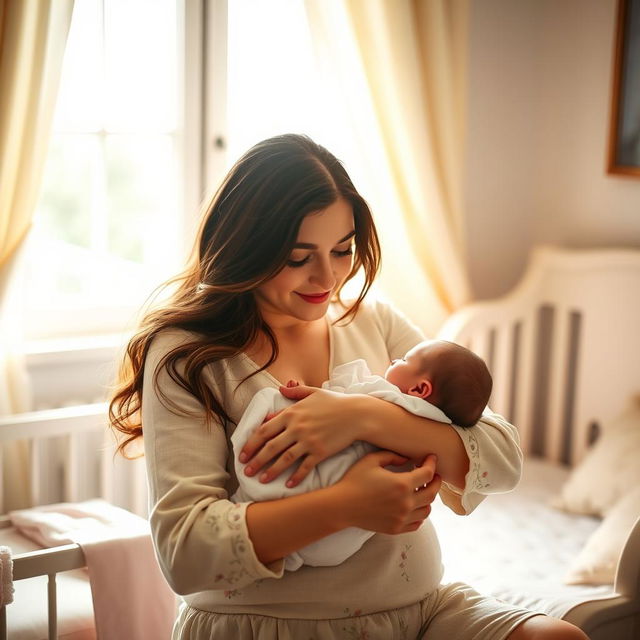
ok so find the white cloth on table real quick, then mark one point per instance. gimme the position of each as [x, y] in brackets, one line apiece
[351, 377]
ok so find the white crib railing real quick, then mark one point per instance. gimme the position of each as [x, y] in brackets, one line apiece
[71, 458]
[563, 347]
[47, 562]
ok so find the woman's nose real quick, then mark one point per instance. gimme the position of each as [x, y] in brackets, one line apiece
[324, 274]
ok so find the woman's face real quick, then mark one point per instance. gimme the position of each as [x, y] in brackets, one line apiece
[317, 266]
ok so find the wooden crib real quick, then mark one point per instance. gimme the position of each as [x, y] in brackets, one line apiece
[71, 459]
[564, 351]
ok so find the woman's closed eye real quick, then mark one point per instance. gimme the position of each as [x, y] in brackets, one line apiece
[338, 253]
[298, 263]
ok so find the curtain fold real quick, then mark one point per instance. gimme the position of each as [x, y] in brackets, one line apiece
[33, 36]
[413, 57]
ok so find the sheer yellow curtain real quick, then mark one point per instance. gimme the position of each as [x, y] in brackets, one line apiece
[33, 35]
[412, 54]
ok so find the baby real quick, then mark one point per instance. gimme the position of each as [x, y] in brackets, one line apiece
[436, 379]
[453, 379]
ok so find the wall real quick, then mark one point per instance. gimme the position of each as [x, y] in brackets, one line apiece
[538, 119]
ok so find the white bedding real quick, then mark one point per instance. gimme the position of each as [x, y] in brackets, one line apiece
[518, 548]
[75, 607]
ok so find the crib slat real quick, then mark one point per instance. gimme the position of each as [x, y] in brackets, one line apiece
[557, 385]
[523, 381]
[35, 460]
[52, 601]
[71, 480]
[501, 370]
[480, 344]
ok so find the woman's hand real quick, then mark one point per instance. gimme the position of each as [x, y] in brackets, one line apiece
[313, 429]
[386, 501]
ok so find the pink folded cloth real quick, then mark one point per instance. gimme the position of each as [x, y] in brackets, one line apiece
[131, 598]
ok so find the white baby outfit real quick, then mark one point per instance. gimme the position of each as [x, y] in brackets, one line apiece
[352, 377]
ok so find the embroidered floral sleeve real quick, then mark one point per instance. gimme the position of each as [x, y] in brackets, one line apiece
[495, 462]
[201, 537]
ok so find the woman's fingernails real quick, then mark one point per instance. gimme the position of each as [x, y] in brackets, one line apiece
[264, 477]
[248, 471]
[242, 457]
[291, 484]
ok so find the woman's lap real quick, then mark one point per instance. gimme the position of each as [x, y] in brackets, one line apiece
[458, 611]
[453, 611]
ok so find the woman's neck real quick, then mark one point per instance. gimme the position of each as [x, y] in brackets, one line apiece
[303, 352]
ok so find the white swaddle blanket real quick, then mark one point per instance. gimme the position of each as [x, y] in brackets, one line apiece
[352, 377]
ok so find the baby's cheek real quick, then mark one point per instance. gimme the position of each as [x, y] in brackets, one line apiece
[394, 377]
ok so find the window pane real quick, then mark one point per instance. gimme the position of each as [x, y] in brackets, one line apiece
[108, 224]
[79, 106]
[69, 182]
[141, 47]
[64, 277]
[272, 85]
[141, 181]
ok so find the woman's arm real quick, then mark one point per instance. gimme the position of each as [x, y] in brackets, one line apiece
[388, 426]
[309, 429]
[473, 462]
[368, 496]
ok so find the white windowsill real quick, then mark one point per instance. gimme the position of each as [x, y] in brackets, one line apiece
[73, 349]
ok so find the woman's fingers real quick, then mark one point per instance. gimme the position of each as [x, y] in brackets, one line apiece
[296, 392]
[390, 501]
[427, 494]
[284, 461]
[273, 448]
[386, 459]
[271, 427]
[303, 470]
[417, 517]
[423, 474]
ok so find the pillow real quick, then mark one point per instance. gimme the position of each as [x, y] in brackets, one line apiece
[608, 470]
[597, 562]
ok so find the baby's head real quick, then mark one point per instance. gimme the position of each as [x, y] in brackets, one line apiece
[449, 376]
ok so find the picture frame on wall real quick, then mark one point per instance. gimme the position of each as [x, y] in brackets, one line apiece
[624, 135]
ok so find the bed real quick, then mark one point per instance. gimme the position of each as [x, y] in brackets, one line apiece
[564, 351]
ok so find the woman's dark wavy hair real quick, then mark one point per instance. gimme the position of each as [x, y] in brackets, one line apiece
[247, 233]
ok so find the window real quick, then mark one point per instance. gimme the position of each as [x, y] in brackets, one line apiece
[150, 114]
[108, 226]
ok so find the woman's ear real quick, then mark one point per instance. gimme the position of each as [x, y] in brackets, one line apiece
[421, 390]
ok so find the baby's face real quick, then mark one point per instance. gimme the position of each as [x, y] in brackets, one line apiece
[407, 372]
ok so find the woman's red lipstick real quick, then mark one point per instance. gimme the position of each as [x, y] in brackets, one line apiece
[315, 298]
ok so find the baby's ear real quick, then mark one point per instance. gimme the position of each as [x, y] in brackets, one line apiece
[422, 390]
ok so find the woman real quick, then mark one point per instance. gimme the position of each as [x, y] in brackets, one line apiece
[260, 305]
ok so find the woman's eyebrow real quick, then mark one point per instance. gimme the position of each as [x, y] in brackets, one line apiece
[308, 245]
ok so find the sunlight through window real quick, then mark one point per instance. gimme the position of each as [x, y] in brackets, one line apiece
[106, 222]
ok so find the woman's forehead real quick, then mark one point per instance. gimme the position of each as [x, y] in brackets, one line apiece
[331, 225]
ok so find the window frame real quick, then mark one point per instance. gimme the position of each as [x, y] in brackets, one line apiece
[63, 325]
